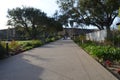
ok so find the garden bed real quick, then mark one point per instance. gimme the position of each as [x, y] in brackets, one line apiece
[106, 55]
[16, 47]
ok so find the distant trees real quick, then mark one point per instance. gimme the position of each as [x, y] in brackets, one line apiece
[31, 21]
[99, 13]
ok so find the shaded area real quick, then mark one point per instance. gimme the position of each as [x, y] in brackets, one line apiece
[18, 68]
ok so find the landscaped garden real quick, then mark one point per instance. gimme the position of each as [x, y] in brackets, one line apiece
[31, 28]
[16, 47]
[106, 53]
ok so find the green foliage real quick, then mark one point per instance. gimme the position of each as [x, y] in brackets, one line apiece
[27, 17]
[80, 39]
[36, 43]
[114, 39]
[30, 22]
[101, 52]
[99, 13]
[52, 39]
[47, 40]
[26, 45]
[14, 47]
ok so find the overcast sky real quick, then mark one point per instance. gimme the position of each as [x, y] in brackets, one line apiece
[48, 6]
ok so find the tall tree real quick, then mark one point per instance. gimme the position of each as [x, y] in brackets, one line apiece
[99, 13]
[30, 18]
[53, 26]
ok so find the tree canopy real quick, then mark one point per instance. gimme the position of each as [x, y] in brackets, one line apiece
[99, 13]
[33, 20]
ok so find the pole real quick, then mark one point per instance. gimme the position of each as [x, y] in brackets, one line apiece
[7, 49]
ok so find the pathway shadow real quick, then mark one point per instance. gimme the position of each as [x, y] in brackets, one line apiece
[18, 68]
[37, 57]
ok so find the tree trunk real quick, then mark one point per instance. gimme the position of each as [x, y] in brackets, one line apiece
[34, 35]
[109, 34]
[27, 30]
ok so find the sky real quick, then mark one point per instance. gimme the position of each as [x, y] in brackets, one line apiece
[48, 6]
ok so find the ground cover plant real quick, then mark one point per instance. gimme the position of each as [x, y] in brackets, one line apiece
[16, 47]
[100, 51]
[107, 55]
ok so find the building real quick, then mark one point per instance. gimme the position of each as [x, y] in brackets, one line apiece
[7, 34]
[76, 31]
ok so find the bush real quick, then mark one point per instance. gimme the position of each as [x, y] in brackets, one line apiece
[36, 43]
[102, 52]
[26, 45]
[52, 39]
[106, 53]
[47, 40]
[14, 47]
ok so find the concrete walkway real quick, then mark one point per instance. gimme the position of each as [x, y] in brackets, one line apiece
[61, 60]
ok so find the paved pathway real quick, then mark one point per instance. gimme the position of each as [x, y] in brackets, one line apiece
[61, 60]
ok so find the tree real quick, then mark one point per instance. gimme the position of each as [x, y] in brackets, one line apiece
[119, 12]
[119, 22]
[53, 27]
[66, 7]
[20, 33]
[27, 17]
[99, 13]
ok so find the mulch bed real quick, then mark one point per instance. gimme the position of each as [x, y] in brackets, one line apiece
[113, 67]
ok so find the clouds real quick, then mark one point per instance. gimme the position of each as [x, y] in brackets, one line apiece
[48, 6]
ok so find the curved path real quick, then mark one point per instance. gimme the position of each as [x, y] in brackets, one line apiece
[60, 60]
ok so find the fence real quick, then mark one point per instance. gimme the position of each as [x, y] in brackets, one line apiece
[97, 36]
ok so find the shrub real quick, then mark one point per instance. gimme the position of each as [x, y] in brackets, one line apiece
[47, 40]
[102, 52]
[36, 43]
[52, 39]
[26, 45]
[14, 47]
[27, 48]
